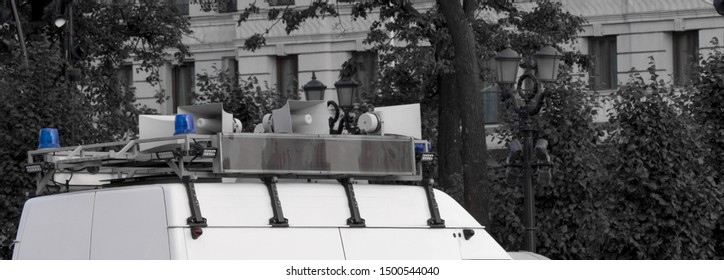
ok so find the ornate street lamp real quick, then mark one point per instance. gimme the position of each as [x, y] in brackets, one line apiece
[314, 89]
[347, 95]
[528, 103]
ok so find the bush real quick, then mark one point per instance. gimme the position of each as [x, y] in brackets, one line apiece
[661, 197]
[244, 99]
[704, 101]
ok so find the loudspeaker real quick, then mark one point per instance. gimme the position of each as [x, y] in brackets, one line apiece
[153, 126]
[398, 120]
[209, 118]
[303, 117]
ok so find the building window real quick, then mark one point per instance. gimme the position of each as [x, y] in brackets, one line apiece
[125, 77]
[287, 75]
[491, 95]
[366, 74]
[491, 92]
[281, 2]
[182, 6]
[603, 70]
[686, 46]
[230, 66]
[183, 83]
[227, 6]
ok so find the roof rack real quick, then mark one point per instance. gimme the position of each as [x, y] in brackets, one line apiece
[366, 157]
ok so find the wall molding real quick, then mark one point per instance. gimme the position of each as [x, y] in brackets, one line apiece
[639, 52]
[641, 71]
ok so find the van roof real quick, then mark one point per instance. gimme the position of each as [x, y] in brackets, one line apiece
[304, 204]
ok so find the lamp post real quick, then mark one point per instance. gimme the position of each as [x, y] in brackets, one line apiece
[527, 104]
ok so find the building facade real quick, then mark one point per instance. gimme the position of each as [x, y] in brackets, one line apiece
[625, 36]
[622, 35]
[284, 64]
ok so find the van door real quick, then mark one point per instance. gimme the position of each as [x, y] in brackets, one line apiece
[56, 227]
[130, 224]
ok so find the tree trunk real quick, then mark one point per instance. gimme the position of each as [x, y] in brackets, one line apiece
[474, 152]
[450, 165]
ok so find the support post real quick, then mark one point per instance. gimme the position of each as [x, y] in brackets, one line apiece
[356, 219]
[528, 192]
[278, 219]
[196, 221]
[435, 220]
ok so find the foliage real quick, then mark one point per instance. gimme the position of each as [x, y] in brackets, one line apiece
[245, 99]
[705, 102]
[291, 17]
[661, 197]
[97, 108]
[569, 217]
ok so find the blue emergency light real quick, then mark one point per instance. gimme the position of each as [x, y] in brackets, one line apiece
[184, 124]
[420, 147]
[48, 138]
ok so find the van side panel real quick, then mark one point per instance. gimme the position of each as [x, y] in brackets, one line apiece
[400, 244]
[130, 224]
[265, 244]
[56, 227]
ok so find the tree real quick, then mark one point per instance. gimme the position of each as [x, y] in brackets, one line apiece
[459, 21]
[96, 108]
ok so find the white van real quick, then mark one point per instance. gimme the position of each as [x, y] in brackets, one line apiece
[150, 222]
[177, 193]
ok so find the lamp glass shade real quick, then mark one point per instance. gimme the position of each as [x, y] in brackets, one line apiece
[547, 60]
[507, 63]
[314, 89]
[314, 94]
[346, 92]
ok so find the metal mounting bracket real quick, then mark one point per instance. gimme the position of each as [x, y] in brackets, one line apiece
[42, 180]
[278, 220]
[435, 221]
[356, 220]
[196, 221]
